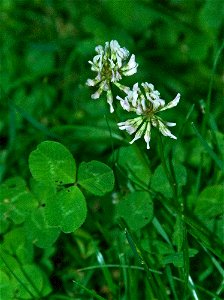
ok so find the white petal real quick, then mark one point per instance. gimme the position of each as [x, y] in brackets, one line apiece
[135, 87]
[170, 124]
[95, 68]
[158, 103]
[110, 100]
[99, 49]
[143, 103]
[134, 94]
[132, 63]
[139, 133]
[130, 129]
[164, 130]
[148, 86]
[172, 103]
[125, 104]
[122, 87]
[96, 95]
[119, 61]
[91, 82]
[147, 135]
[139, 110]
[130, 72]
[131, 67]
[131, 125]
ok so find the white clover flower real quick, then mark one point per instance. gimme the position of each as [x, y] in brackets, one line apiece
[146, 104]
[111, 63]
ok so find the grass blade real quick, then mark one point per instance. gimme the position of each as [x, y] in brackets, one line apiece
[208, 149]
[89, 292]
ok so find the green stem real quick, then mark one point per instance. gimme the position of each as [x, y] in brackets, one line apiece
[153, 278]
[170, 174]
[208, 106]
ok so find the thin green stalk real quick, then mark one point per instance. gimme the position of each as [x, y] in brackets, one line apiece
[208, 149]
[137, 253]
[89, 292]
[111, 139]
[153, 278]
[208, 106]
[106, 273]
[121, 266]
[170, 174]
[171, 281]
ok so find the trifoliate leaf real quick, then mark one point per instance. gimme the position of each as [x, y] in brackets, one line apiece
[52, 162]
[96, 177]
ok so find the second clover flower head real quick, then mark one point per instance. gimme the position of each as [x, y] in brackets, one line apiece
[111, 63]
[146, 104]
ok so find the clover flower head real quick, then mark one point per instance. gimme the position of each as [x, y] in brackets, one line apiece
[146, 104]
[111, 63]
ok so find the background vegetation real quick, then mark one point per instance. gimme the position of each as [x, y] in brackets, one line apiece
[163, 253]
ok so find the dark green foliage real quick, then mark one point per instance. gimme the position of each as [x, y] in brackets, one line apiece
[83, 214]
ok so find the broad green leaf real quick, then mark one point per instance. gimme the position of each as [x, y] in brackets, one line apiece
[210, 202]
[67, 209]
[212, 14]
[8, 264]
[27, 280]
[96, 177]
[6, 287]
[16, 243]
[177, 258]
[134, 164]
[161, 247]
[161, 184]
[34, 279]
[52, 162]
[136, 209]
[38, 231]
[16, 202]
